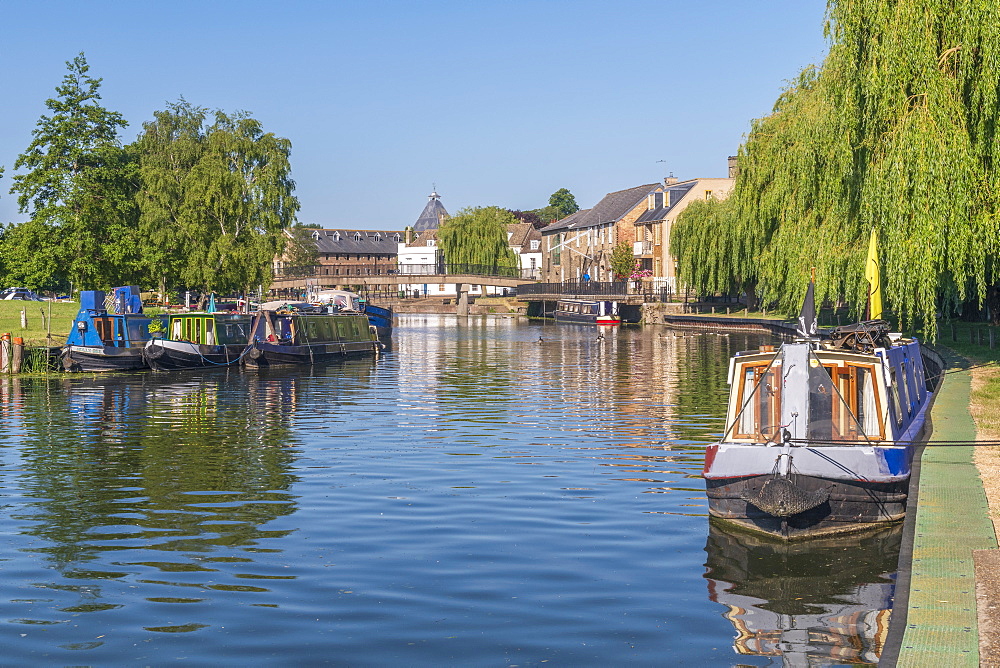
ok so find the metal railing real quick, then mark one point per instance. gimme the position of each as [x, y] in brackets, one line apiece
[440, 269]
[577, 288]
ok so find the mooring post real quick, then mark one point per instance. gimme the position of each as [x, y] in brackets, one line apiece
[17, 355]
[462, 305]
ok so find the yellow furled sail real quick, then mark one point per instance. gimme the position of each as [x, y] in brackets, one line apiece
[872, 276]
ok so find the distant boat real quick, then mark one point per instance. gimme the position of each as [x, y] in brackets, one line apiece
[195, 340]
[108, 336]
[290, 337]
[587, 312]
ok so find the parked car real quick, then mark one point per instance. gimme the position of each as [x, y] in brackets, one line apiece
[20, 293]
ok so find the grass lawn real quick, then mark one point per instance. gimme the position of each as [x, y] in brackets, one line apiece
[985, 380]
[38, 320]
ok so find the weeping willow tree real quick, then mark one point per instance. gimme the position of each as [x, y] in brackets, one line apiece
[478, 236]
[896, 131]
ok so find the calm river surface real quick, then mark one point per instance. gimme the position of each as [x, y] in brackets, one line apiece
[474, 497]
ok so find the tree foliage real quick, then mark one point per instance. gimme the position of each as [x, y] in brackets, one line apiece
[216, 198]
[896, 131]
[622, 260]
[78, 187]
[478, 236]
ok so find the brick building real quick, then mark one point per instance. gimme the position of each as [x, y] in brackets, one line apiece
[581, 243]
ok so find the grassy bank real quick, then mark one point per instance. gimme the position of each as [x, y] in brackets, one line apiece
[37, 314]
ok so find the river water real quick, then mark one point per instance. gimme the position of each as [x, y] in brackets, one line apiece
[486, 493]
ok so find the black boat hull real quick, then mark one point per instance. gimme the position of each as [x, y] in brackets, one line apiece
[109, 358]
[263, 354]
[851, 506]
[175, 356]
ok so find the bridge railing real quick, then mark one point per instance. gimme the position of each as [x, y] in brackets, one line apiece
[597, 288]
[428, 269]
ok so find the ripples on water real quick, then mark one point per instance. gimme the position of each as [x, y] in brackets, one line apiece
[473, 497]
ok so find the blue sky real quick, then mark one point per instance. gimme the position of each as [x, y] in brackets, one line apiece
[498, 102]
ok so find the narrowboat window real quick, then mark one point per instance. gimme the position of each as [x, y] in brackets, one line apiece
[762, 414]
[210, 331]
[894, 397]
[175, 329]
[867, 404]
[906, 389]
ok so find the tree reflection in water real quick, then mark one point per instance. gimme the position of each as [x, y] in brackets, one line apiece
[123, 475]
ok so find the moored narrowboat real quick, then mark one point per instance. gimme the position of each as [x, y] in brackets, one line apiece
[280, 338]
[196, 340]
[380, 317]
[584, 311]
[820, 434]
[108, 336]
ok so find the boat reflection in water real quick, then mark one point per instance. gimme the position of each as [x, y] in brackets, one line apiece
[823, 602]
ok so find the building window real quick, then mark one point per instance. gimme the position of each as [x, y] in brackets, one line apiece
[430, 242]
[708, 194]
[440, 287]
[535, 244]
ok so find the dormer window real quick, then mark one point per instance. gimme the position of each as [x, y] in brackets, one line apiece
[357, 236]
[315, 236]
[396, 237]
[535, 243]
[430, 242]
[336, 236]
[378, 237]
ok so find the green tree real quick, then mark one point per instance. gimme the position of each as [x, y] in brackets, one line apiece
[623, 261]
[24, 264]
[78, 187]
[562, 203]
[478, 236]
[896, 131]
[216, 198]
[301, 254]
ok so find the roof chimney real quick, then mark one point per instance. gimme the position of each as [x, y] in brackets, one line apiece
[670, 180]
[734, 169]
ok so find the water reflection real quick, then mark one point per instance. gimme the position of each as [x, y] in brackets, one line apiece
[814, 603]
[160, 481]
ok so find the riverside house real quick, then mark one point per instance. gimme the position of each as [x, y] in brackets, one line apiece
[581, 243]
[652, 228]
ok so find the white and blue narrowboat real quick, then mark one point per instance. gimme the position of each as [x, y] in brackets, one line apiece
[108, 335]
[820, 435]
[587, 312]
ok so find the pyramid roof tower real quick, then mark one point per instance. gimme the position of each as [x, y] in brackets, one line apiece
[430, 218]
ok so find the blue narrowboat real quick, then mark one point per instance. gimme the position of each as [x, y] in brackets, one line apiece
[820, 434]
[108, 334]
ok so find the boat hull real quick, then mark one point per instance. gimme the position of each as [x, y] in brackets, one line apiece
[162, 355]
[585, 319]
[263, 354]
[851, 506]
[102, 358]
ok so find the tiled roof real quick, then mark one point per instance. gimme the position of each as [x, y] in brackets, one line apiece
[357, 242]
[612, 207]
[430, 217]
[521, 234]
[423, 238]
[676, 194]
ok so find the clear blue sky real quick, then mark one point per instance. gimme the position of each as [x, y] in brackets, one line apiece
[499, 102]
